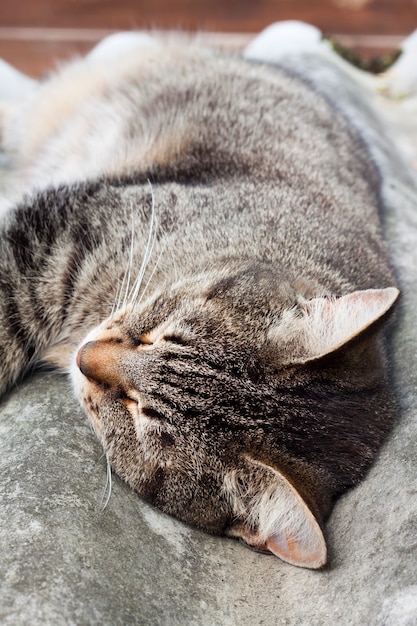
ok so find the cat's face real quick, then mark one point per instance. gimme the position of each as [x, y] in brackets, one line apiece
[170, 388]
[190, 412]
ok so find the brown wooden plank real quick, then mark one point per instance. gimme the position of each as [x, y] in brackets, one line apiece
[36, 58]
[36, 33]
[36, 51]
[347, 16]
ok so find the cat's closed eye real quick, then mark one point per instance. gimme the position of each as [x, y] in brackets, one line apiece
[151, 413]
[176, 339]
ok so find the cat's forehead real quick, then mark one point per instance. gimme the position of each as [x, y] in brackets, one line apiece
[162, 314]
[211, 304]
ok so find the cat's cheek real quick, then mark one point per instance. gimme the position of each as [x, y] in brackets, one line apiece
[144, 432]
[156, 444]
[107, 329]
[91, 406]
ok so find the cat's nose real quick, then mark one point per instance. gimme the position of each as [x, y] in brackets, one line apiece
[99, 361]
[78, 357]
[85, 358]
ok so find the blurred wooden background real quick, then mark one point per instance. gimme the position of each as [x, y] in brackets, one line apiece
[34, 33]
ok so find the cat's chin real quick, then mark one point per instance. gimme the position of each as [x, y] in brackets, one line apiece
[82, 387]
[81, 390]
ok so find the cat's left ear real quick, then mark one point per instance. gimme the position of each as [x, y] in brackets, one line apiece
[271, 516]
[325, 324]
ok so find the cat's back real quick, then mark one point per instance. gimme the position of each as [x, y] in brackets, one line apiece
[265, 163]
[230, 146]
[165, 104]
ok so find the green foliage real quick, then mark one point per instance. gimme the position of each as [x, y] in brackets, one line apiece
[374, 64]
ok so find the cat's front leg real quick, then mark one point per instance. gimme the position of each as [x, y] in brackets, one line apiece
[14, 85]
[119, 45]
[63, 256]
[285, 38]
[15, 88]
[48, 252]
[401, 79]
[27, 323]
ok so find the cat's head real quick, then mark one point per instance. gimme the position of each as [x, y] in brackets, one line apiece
[195, 396]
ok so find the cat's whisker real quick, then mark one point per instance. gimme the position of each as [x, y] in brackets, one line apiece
[129, 271]
[150, 278]
[116, 299]
[138, 282]
[122, 288]
[125, 285]
[174, 264]
[148, 251]
[136, 292]
[158, 260]
[107, 488]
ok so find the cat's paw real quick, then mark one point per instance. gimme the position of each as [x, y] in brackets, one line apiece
[120, 44]
[282, 38]
[401, 80]
[13, 84]
[15, 87]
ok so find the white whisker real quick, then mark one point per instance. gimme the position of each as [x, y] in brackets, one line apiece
[122, 287]
[129, 273]
[148, 251]
[107, 488]
[127, 292]
[150, 278]
[116, 299]
[163, 248]
[142, 271]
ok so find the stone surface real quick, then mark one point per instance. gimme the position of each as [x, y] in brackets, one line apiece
[64, 560]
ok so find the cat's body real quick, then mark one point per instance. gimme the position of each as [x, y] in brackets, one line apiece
[228, 387]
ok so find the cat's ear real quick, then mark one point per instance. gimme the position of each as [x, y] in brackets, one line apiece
[325, 324]
[271, 516]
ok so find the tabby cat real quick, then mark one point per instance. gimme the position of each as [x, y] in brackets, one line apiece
[196, 237]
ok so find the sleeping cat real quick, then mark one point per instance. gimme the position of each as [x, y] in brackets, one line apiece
[196, 237]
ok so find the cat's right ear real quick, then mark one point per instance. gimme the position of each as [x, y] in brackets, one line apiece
[323, 325]
[271, 516]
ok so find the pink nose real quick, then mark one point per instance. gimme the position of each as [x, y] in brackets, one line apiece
[99, 361]
[78, 357]
[85, 355]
